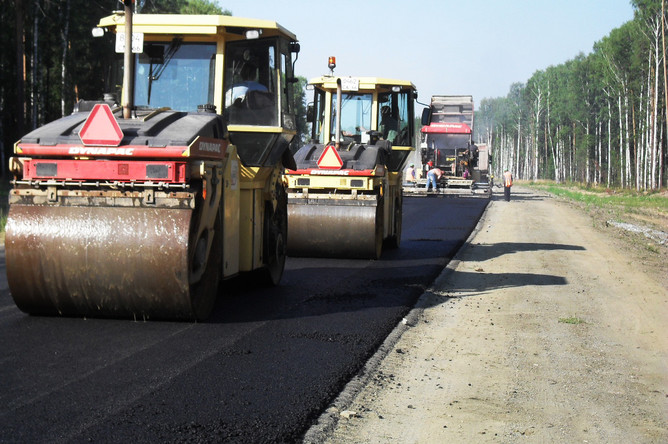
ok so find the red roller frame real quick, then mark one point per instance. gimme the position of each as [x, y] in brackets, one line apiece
[113, 170]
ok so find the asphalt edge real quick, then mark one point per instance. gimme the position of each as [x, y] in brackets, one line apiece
[327, 421]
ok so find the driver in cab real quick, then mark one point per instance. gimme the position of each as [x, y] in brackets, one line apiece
[238, 92]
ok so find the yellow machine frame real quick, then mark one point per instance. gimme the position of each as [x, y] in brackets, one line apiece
[246, 188]
[386, 182]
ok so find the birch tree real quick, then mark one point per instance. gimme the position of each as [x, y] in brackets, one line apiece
[650, 18]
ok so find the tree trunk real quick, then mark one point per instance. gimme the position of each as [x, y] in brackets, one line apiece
[517, 156]
[588, 157]
[665, 88]
[609, 178]
[627, 169]
[64, 35]
[599, 144]
[20, 68]
[35, 87]
[644, 134]
[536, 133]
[621, 141]
[655, 105]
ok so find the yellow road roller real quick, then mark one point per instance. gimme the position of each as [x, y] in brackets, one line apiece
[345, 197]
[139, 204]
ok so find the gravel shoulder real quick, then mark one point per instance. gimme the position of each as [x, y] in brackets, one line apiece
[548, 327]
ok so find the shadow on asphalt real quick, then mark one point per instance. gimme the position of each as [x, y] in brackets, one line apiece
[370, 288]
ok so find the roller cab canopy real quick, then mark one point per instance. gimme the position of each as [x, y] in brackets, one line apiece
[196, 25]
[368, 104]
[236, 67]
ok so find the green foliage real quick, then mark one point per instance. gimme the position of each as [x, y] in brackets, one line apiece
[158, 6]
[207, 7]
[203, 7]
[299, 96]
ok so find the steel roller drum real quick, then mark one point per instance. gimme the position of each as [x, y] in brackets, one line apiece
[99, 261]
[335, 229]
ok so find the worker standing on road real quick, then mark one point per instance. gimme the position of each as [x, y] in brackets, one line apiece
[507, 183]
[410, 173]
[425, 169]
[473, 154]
[433, 175]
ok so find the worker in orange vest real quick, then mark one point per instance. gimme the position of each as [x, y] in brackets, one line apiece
[507, 183]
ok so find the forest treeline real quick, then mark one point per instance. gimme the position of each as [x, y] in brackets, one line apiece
[598, 119]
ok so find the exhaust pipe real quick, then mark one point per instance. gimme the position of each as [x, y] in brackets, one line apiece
[338, 113]
[128, 66]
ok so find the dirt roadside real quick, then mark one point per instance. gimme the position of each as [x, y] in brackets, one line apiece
[547, 328]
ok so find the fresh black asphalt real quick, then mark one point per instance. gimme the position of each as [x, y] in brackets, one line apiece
[262, 369]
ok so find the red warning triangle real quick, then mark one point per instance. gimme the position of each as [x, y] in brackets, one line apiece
[101, 128]
[330, 159]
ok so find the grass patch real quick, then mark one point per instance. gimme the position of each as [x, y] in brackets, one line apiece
[653, 249]
[598, 196]
[618, 204]
[573, 320]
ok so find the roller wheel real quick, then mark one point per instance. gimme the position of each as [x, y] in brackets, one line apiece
[111, 262]
[203, 294]
[275, 239]
[379, 229]
[395, 238]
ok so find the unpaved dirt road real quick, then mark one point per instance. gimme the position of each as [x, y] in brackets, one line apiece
[547, 329]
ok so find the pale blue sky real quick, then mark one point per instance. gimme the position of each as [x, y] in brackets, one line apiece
[477, 47]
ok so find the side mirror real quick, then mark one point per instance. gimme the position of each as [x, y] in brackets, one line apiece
[425, 117]
[155, 53]
[310, 113]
